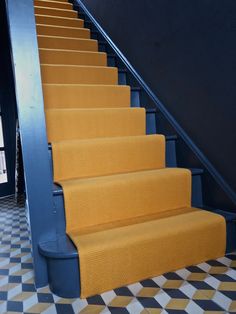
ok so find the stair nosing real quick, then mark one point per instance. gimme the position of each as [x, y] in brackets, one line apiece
[82, 66]
[64, 27]
[60, 17]
[58, 9]
[69, 38]
[53, 1]
[74, 51]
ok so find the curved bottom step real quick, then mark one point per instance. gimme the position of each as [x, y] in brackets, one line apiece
[63, 267]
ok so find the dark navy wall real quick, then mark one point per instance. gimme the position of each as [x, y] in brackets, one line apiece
[186, 52]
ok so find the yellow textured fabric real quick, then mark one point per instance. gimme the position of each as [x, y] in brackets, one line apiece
[53, 4]
[55, 12]
[64, 1]
[143, 193]
[66, 74]
[97, 157]
[59, 21]
[85, 96]
[91, 123]
[132, 221]
[120, 256]
[72, 57]
[129, 216]
[59, 31]
[53, 42]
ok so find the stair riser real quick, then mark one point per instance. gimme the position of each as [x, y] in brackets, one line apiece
[171, 154]
[111, 61]
[97, 36]
[53, 4]
[87, 124]
[197, 197]
[56, 12]
[103, 47]
[135, 99]
[138, 195]
[63, 32]
[59, 203]
[87, 160]
[48, 56]
[86, 96]
[67, 44]
[82, 15]
[151, 123]
[55, 96]
[79, 75]
[89, 25]
[122, 78]
[48, 20]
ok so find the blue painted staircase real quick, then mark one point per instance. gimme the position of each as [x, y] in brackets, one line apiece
[57, 256]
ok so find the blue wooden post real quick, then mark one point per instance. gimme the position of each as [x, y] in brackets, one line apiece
[30, 107]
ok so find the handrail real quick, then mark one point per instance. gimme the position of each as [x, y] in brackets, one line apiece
[195, 149]
[30, 107]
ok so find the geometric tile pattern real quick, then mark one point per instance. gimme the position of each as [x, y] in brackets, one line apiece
[205, 288]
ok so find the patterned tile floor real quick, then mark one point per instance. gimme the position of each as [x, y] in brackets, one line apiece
[206, 288]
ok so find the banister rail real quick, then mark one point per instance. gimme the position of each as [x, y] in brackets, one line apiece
[30, 107]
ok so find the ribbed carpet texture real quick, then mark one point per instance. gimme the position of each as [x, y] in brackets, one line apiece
[127, 213]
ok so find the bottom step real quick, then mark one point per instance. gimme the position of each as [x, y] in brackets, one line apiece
[180, 240]
[121, 256]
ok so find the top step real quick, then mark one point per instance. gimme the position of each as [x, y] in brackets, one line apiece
[53, 4]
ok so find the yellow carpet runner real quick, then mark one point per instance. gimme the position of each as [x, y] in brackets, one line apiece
[129, 216]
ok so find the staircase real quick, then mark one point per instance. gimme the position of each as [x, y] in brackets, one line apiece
[129, 212]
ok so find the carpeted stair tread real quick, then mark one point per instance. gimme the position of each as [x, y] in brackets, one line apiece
[91, 202]
[59, 96]
[145, 250]
[73, 74]
[59, 21]
[72, 57]
[71, 124]
[80, 44]
[55, 12]
[106, 156]
[73, 32]
[53, 4]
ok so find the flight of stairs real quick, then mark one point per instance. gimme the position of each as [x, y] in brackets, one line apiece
[129, 216]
